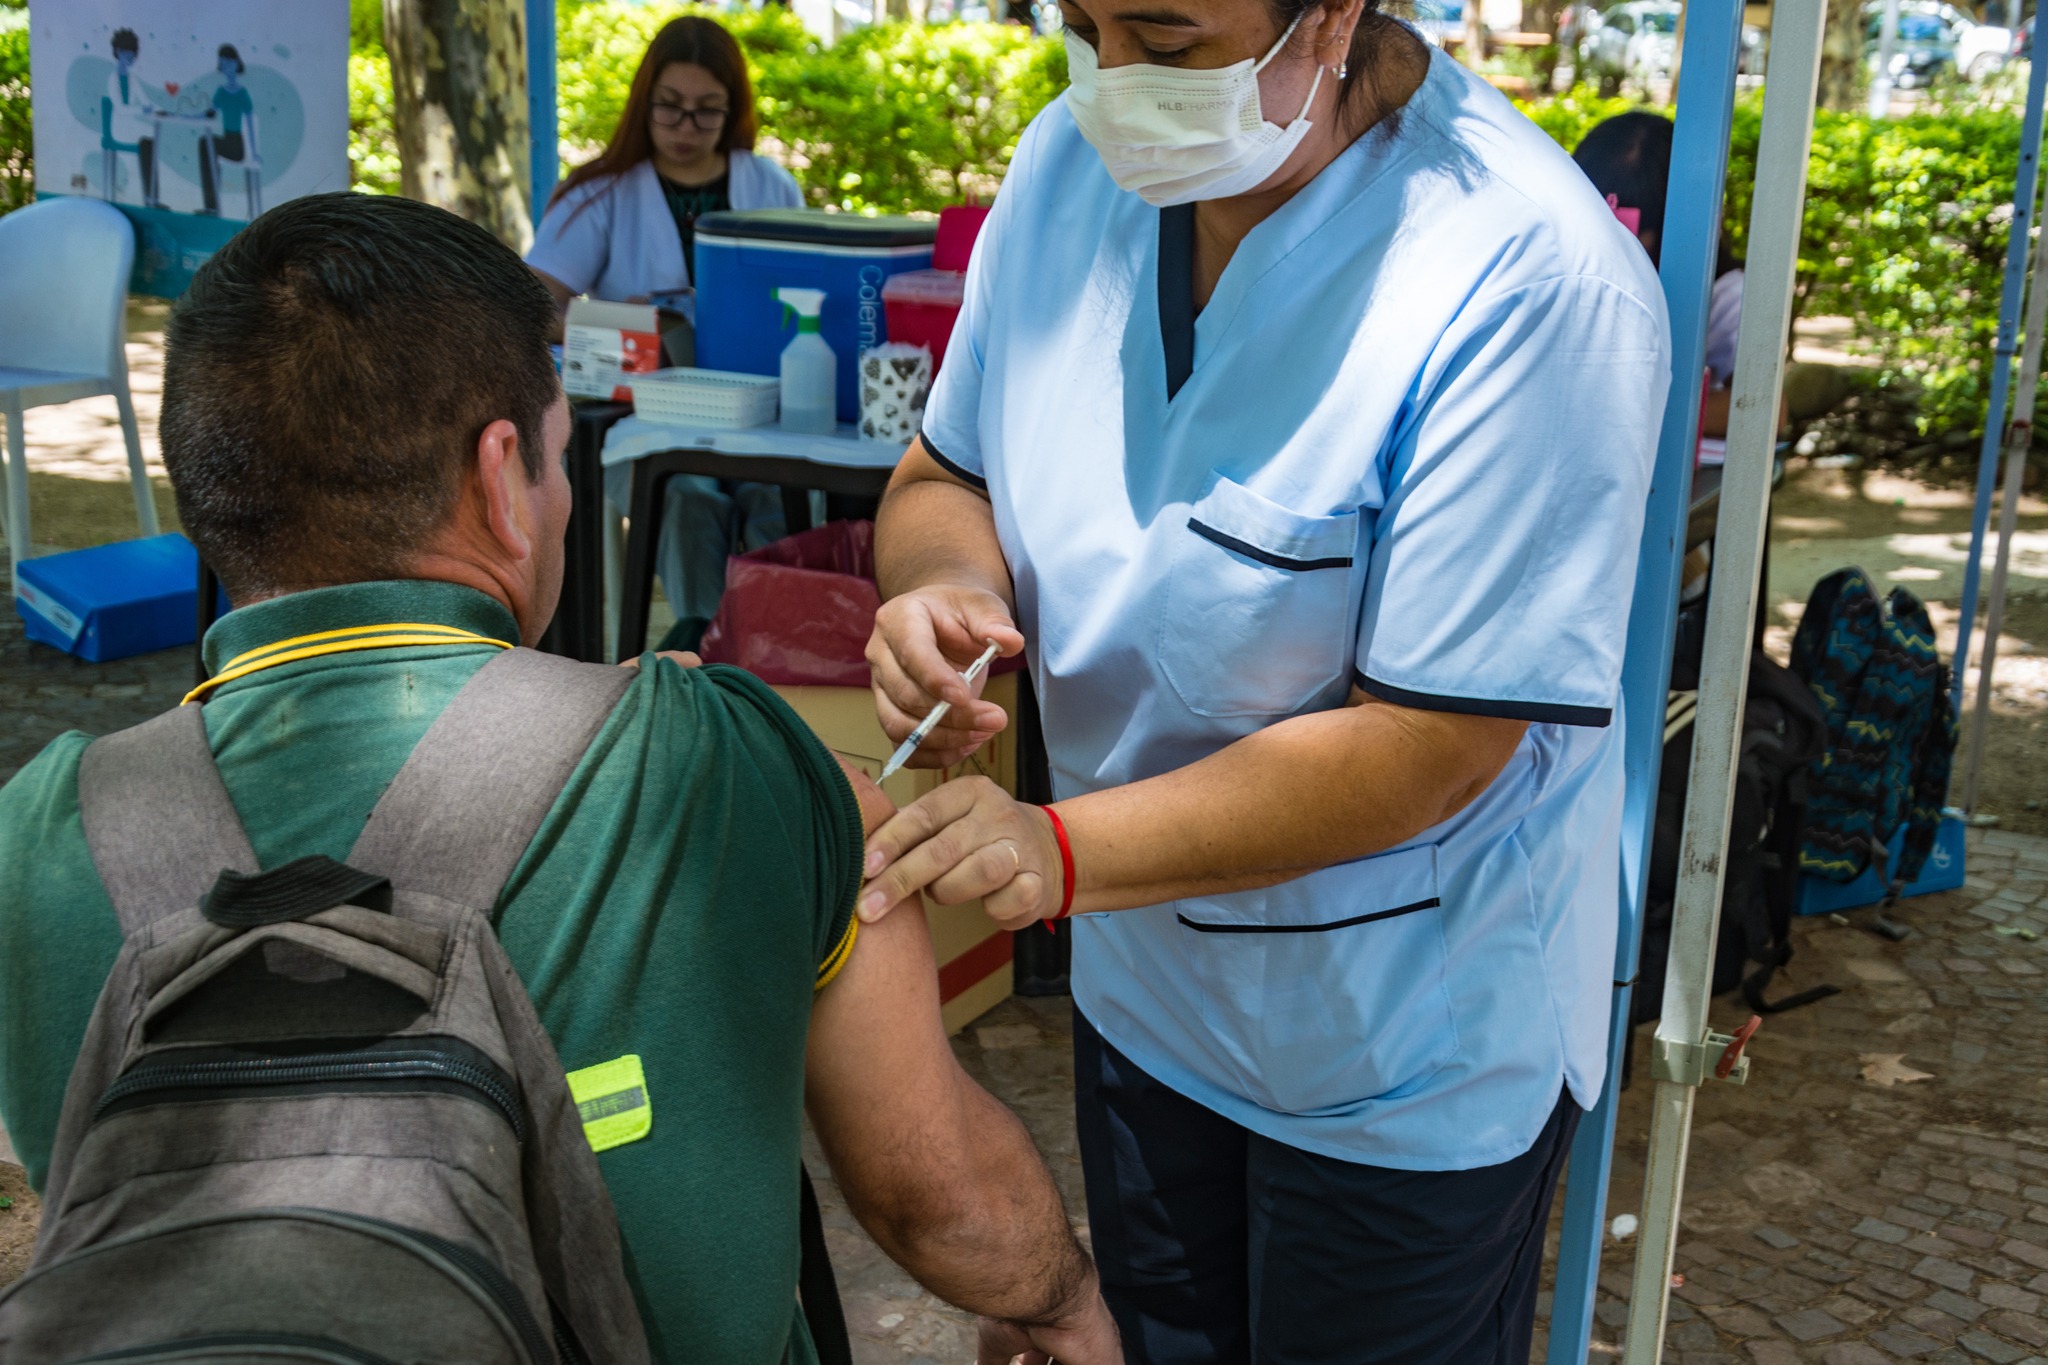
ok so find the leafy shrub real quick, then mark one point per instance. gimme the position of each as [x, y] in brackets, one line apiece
[372, 144]
[1567, 117]
[1905, 232]
[902, 117]
[17, 130]
[893, 119]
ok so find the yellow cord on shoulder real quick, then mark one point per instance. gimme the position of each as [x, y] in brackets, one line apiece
[838, 956]
[338, 642]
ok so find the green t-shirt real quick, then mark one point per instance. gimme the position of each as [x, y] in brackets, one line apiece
[678, 902]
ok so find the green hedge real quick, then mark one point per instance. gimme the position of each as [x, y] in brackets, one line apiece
[893, 119]
[1906, 226]
[17, 159]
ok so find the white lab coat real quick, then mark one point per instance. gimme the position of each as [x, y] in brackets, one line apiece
[615, 239]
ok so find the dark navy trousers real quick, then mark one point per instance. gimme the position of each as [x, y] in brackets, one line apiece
[1218, 1246]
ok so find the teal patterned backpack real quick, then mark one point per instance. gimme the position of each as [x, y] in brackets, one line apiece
[1882, 685]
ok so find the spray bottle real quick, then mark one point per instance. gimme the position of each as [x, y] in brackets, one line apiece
[810, 371]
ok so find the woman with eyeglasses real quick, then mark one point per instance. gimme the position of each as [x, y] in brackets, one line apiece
[623, 227]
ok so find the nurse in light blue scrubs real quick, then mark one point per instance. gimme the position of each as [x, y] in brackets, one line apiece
[1298, 425]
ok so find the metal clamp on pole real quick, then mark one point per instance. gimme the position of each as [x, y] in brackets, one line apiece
[1720, 1057]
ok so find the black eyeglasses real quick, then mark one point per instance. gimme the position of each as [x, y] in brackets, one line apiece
[673, 116]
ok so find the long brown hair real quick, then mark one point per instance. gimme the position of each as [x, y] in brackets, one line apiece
[700, 42]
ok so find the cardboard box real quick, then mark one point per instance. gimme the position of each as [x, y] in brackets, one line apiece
[974, 955]
[605, 344]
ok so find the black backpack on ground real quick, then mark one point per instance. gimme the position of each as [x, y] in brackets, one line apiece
[1782, 732]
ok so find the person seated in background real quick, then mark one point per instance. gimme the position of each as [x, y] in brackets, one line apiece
[1628, 159]
[623, 227]
[362, 424]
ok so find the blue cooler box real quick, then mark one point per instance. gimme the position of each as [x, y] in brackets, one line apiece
[743, 258]
[111, 601]
[1943, 871]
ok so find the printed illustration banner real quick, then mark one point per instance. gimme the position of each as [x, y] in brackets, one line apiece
[192, 116]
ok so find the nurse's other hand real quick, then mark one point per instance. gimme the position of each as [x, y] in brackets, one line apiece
[968, 838]
[1090, 1338]
[923, 641]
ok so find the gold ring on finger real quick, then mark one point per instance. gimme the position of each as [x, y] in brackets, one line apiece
[1015, 857]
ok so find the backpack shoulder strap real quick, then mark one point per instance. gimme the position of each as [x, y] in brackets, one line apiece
[157, 817]
[469, 799]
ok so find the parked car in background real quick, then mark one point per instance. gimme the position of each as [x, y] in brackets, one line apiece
[1922, 50]
[1972, 48]
[1634, 40]
[2023, 41]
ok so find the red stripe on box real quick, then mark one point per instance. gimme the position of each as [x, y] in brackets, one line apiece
[973, 967]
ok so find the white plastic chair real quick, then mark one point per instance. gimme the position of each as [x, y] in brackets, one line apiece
[64, 266]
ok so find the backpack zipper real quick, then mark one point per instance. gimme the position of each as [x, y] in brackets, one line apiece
[345, 1068]
[488, 1276]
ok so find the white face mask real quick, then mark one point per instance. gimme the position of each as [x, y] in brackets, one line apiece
[1173, 136]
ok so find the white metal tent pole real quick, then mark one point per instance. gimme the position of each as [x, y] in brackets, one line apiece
[1685, 1051]
[2019, 436]
[1692, 232]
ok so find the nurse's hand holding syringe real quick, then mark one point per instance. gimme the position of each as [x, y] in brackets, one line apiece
[921, 649]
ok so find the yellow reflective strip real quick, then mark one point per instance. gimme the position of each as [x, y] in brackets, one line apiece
[837, 958]
[336, 647]
[318, 636]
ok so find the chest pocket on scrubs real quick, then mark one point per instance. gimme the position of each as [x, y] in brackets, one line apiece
[1330, 989]
[1257, 618]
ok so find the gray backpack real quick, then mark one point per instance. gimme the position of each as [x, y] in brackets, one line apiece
[315, 1117]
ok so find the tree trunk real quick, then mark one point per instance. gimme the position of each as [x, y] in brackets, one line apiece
[458, 87]
[1475, 35]
[1841, 56]
[1540, 16]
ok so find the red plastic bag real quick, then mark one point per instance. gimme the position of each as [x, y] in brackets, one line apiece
[799, 611]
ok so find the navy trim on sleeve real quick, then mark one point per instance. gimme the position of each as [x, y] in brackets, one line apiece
[1212, 927]
[1250, 551]
[1535, 712]
[965, 475]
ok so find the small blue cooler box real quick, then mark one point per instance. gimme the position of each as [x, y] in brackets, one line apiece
[743, 258]
[1943, 871]
[111, 601]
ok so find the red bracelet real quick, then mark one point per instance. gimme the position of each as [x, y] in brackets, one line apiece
[1059, 832]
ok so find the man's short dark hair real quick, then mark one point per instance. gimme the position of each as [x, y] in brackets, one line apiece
[126, 41]
[327, 376]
